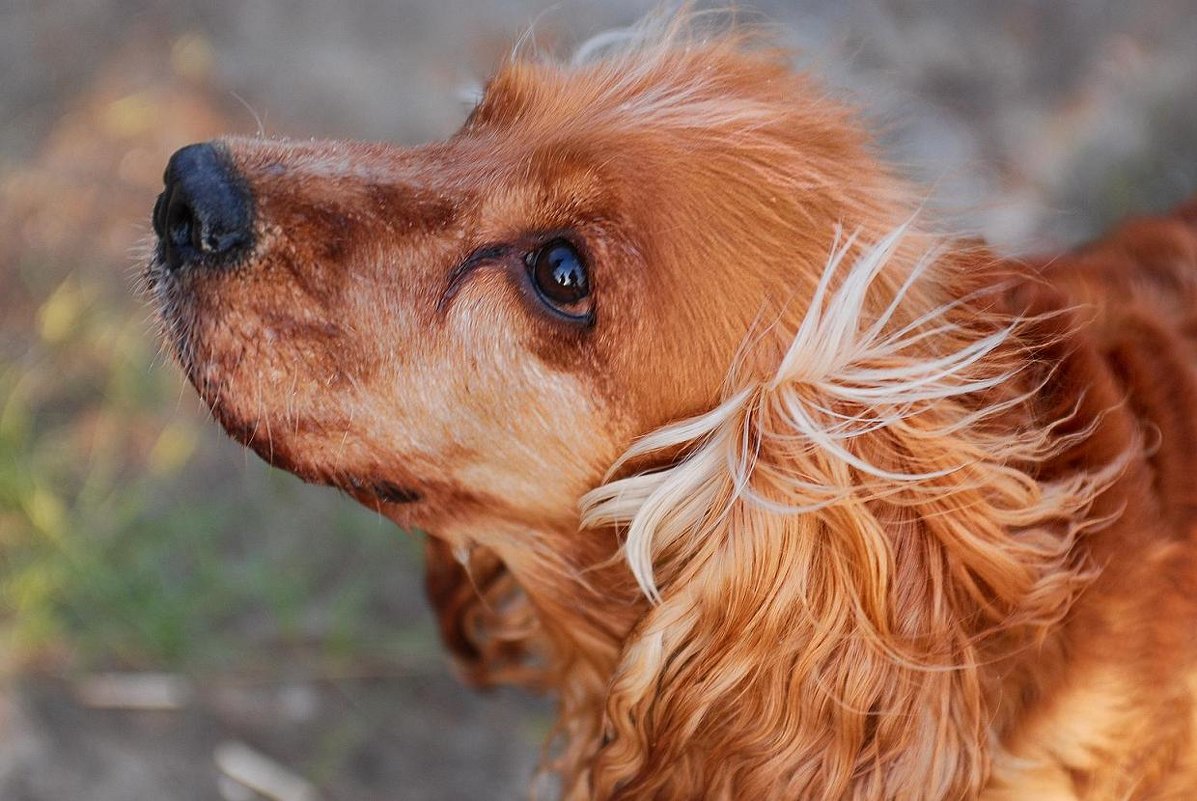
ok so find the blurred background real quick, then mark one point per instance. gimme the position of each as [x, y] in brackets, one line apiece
[178, 621]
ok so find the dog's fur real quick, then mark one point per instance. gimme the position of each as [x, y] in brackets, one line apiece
[825, 504]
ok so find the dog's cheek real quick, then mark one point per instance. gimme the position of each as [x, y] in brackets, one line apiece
[551, 449]
[538, 433]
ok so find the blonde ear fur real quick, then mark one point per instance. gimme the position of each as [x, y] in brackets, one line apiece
[857, 515]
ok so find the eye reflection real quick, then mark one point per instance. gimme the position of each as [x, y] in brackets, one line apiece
[559, 274]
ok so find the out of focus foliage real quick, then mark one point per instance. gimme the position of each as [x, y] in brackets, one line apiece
[130, 532]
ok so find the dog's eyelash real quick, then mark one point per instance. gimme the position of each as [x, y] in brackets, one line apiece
[467, 266]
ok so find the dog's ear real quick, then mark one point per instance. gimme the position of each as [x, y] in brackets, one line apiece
[484, 617]
[849, 536]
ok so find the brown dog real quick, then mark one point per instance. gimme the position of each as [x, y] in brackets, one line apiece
[785, 494]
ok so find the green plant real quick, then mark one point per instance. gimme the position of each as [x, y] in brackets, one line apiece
[126, 539]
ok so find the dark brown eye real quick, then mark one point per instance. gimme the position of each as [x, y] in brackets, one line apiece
[559, 274]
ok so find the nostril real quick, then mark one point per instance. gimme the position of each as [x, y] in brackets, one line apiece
[204, 215]
[180, 222]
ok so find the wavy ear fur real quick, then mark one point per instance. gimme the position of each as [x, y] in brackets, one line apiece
[842, 545]
[484, 617]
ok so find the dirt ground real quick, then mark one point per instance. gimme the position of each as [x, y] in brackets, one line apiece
[413, 737]
[1033, 122]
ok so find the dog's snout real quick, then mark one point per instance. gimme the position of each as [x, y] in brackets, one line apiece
[204, 215]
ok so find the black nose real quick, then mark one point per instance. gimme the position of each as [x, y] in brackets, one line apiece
[204, 216]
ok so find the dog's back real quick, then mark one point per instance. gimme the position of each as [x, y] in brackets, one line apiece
[1137, 289]
[1108, 710]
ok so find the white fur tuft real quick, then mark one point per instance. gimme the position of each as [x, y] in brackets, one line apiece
[884, 371]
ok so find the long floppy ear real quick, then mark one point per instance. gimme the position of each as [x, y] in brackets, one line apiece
[484, 617]
[846, 540]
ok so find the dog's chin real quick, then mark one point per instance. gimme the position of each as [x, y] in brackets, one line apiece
[276, 444]
[289, 443]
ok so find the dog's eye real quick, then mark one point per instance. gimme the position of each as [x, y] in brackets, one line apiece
[559, 274]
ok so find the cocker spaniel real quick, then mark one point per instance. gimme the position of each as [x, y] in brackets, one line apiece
[780, 489]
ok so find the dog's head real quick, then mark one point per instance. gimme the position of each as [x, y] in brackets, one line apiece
[486, 323]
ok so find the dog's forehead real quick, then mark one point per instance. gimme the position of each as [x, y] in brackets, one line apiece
[552, 187]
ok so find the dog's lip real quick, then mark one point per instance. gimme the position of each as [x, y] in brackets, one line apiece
[383, 490]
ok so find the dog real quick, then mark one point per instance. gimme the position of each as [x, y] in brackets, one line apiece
[780, 489]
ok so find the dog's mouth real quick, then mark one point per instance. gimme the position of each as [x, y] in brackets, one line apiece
[382, 491]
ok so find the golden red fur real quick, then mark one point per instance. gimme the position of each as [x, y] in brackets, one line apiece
[804, 500]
